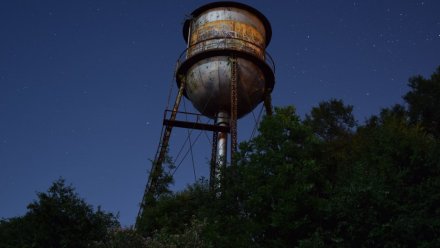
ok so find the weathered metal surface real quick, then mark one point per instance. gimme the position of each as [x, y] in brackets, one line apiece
[216, 33]
[227, 27]
[207, 33]
[268, 104]
[208, 86]
[226, 6]
[222, 144]
[234, 107]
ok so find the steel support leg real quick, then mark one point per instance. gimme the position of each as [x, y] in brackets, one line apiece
[150, 188]
[213, 169]
[234, 103]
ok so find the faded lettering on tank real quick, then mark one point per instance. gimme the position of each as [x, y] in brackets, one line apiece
[226, 34]
[227, 29]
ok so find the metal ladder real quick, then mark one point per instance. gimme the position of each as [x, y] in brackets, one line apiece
[234, 106]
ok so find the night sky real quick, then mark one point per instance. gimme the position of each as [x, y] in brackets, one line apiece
[83, 84]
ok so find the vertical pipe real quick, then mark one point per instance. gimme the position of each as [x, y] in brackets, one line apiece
[222, 144]
[268, 104]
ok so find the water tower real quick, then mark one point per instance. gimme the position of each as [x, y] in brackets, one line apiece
[225, 73]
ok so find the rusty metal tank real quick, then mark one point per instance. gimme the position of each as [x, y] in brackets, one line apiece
[216, 34]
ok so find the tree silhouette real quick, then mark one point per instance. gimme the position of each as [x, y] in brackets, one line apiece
[59, 218]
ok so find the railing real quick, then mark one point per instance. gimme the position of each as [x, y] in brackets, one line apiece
[194, 117]
[225, 43]
[192, 121]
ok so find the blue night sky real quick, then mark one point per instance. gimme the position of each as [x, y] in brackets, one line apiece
[83, 84]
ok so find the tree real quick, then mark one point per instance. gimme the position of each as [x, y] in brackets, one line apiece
[122, 238]
[59, 218]
[158, 189]
[331, 119]
[279, 185]
[423, 102]
[14, 232]
[191, 236]
[387, 192]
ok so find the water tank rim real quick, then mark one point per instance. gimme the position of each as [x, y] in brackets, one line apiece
[212, 5]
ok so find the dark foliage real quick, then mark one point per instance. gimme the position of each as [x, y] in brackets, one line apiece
[424, 101]
[325, 181]
[331, 120]
[319, 182]
[59, 218]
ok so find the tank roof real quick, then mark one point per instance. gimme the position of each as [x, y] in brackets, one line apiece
[226, 4]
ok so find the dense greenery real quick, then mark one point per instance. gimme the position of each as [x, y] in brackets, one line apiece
[321, 181]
